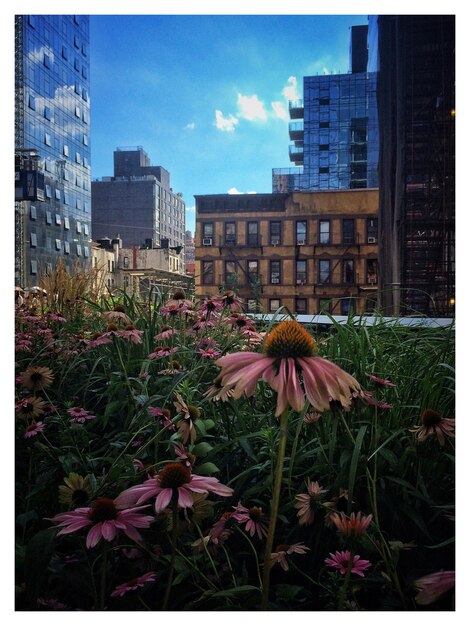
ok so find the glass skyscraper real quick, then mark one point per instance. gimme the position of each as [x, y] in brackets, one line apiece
[52, 122]
[336, 143]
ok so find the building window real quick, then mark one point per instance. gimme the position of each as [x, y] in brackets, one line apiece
[348, 272]
[48, 217]
[274, 304]
[48, 191]
[47, 139]
[47, 113]
[324, 271]
[66, 197]
[274, 233]
[372, 229]
[86, 251]
[57, 195]
[32, 103]
[78, 158]
[301, 233]
[347, 306]
[66, 150]
[79, 227]
[77, 111]
[371, 271]
[230, 272]
[252, 267]
[33, 212]
[58, 219]
[33, 267]
[207, 233]
[47, 60]
[324, 305]
[66, 247]
[33, 240]
[230, 233]
[66, 223]
[65, 53]
[301, 306]
[125, 262]
[58, 244]
[275, 272]
[301, 272]
[85, 229]
[208, 272]
[324, 231]
[79, 250]
[252, 234]
[348, 231]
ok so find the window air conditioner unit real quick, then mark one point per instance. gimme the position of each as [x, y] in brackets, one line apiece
[274, 280]
[275, 242]
[207, 241]
[301, 242]
[371, 240]
[301, 282]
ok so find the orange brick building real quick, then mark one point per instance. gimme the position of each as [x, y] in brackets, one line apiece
[311, 252]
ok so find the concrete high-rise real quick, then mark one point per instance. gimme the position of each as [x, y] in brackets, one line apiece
[334, 128]
[137, 203]
[52, 137]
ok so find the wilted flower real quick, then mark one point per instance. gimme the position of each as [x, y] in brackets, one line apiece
[174, 484]
[190, 414]
[280, 555]
[253, 519]
[307, 503]
[340, 560]
[118, 314]
[380, 381]
[133, 584]
[355, 525]
[288, 352]
[164, 416]
[36, 378]
[433, 586]
[106, 518]
[432, 423]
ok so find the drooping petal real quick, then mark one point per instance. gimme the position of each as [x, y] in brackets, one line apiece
[94, 535]
[185, 500]
[249, 376]
[295, 393]
[108, 530]
[163, 499]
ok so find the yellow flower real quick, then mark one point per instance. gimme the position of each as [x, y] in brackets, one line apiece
[76, 491]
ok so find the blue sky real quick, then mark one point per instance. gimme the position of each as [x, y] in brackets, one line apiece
[206, 95]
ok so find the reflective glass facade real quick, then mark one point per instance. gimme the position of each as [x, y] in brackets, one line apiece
[337, 143]
[52, 115]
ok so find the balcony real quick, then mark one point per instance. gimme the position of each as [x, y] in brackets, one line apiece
[296, 131]
[296, 154]
[296, 109]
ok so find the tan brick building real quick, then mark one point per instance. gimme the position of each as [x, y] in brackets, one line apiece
[308, 251]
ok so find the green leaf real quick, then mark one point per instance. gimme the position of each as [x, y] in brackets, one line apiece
[201, 449]
[38, 555]
[235, 591]
[354, 462]
[207, 468]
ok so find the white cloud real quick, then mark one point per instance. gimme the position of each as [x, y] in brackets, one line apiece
[190, 126]
[191, 209]
[234, 191]
[280, 110]
[225, 124]
[251, 108]
[290, 91]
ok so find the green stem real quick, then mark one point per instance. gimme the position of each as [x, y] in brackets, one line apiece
[342, 595]
[284, 419]
[174, 534]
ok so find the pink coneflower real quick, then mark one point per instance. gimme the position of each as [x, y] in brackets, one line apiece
[340, 560]
[163, 415]
[230, 300]
[432, 423]
[280, 555]
[210, 353]
[23, 344]
[219, 532]
[173, 310]
[253, 519]
[366, 396]
[161, 351]
[131, 334]
[106, 520]
[178, 299]
[311, 417]
[33, 430]
[118, 314]
[307, 503]
[183, 455]
[165, 333]
[97, 340]
[133, 584]
[356, 525]
[380, 381]
[190, 414]
[240, 322]
[210, 306]
[433, 586]
[288, 352]
[79, 415]
[174, 484]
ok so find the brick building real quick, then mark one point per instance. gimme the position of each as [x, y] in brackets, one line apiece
[307, 251]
